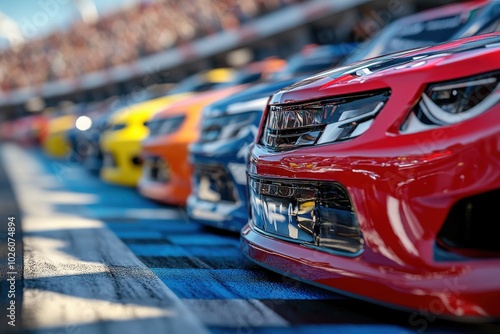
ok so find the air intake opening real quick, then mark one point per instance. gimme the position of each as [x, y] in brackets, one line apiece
[472, 227]
[214, 183]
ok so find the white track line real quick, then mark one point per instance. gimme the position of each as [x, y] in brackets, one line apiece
[79, 276]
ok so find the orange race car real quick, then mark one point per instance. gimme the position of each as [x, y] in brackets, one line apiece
[166, 173]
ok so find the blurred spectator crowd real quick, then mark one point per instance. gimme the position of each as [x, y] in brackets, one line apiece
[123, 37]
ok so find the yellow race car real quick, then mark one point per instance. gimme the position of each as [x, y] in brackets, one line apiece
[121, 141]
[54, 143]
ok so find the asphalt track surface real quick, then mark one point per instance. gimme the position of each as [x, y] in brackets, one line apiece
[100, 258]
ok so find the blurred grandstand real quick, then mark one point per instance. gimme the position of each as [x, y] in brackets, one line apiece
[163, 41]
[123, 37]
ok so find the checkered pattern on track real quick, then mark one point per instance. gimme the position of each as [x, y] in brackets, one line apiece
[230, 294]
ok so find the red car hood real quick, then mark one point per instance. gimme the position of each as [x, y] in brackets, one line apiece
[380, 73]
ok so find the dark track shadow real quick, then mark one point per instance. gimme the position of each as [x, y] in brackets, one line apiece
[11, 257]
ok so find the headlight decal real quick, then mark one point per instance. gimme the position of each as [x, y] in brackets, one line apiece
[453, 102]
[333, 120]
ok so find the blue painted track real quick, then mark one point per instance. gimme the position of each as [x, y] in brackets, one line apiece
[206, 269]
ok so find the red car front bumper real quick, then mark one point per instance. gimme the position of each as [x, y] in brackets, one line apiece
[425, 204]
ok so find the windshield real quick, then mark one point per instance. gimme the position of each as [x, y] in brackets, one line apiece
[300, 64]
[192, 83]
[241, 78]
[404, 35]
[488, 20]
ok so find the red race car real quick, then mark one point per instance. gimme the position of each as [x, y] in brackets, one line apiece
[381, 179]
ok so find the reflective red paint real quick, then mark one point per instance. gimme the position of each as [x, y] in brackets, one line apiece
[411, 192]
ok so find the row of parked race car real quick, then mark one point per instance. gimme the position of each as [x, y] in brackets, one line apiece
[377, 178]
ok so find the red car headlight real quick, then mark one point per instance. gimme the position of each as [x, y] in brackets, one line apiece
[453, 102]
[328, 121]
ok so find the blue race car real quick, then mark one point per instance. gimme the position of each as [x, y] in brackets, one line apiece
[219, 186]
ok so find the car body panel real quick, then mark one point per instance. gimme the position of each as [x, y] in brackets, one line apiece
[221, 199]
[228, 156]
[55, 143]
[171, 150]
[121, 144]
[26, 130]
[403, 187]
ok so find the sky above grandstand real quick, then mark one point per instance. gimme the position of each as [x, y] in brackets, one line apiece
[39, 17]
